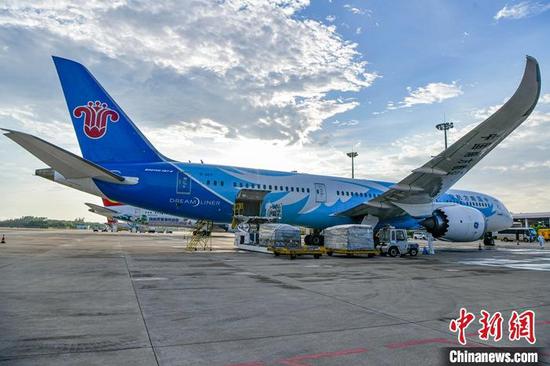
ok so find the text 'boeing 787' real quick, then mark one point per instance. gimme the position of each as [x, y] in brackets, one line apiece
[119, 163]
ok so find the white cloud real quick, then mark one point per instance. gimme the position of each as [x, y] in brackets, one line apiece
[431, 93]
[521, 10]
[330, 18]
[356, 11]
[349, 123]
[253, 67]
[545, 99]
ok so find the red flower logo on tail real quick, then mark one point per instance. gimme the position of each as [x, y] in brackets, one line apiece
[95, 118]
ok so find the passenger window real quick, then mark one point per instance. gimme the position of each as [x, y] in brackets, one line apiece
[207, 182]
[270, 187]
[308, 190]
[215, 183]
[221, 183]
[292, 189]
[264, 186]
[303, 190]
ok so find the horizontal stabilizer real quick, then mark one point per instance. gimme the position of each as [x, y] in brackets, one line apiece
[71, 166]
[103, 211]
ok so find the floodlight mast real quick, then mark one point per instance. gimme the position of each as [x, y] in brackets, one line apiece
[445, 126]
[352, 155]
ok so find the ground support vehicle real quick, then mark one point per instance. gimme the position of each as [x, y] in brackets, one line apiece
[293, 253]
[393, 242]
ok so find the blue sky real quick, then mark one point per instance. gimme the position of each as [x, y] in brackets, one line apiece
[281, 84]
[416, 43]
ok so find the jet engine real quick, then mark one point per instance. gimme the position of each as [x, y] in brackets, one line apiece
[456, 223]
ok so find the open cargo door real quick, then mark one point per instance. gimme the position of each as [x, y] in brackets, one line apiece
[248, 204]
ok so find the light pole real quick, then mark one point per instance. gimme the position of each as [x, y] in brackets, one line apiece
[444, 127]
[352, 155]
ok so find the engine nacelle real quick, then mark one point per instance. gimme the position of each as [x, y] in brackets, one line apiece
[456, 223]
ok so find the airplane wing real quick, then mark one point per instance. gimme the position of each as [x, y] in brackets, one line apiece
[416, 193]
[103, 211]
[71, 166]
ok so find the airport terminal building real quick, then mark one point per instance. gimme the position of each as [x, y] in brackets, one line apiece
[528, 219]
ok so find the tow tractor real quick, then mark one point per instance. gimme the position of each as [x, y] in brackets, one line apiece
[394, 242]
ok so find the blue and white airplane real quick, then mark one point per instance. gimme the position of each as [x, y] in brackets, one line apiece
[119, 163]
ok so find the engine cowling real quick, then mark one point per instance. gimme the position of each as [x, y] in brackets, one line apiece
[456, 223]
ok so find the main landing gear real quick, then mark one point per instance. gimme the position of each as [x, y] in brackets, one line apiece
[314, 239]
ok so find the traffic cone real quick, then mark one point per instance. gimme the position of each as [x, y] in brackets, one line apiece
[3, 239]
[479, 248]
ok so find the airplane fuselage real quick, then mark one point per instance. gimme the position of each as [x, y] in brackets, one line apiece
[202, 191]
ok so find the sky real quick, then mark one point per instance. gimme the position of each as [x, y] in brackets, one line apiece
[280, 84]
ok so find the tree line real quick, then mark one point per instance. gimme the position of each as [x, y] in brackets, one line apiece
[44, 223]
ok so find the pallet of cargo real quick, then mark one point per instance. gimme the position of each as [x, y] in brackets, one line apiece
[293, 253]
[352, 252]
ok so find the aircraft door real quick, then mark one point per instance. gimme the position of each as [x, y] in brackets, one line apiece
[320, 192]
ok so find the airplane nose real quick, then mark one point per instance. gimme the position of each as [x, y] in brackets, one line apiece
[510, 218]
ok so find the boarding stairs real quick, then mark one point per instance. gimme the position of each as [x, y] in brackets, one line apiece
[201, 238]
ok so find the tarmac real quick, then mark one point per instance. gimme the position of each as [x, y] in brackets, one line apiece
[83, 298]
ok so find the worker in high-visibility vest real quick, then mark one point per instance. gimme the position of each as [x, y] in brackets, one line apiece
[540, 239]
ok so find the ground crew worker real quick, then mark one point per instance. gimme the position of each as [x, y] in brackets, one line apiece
[540, 239]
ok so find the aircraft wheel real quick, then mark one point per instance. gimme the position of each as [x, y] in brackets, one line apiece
[317, 240]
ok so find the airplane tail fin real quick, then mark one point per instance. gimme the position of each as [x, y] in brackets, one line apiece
[105, 133]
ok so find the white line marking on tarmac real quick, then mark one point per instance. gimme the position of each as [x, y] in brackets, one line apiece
[150, 279]
[533, 264]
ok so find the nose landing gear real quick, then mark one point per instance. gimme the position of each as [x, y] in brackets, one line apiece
[488, 238]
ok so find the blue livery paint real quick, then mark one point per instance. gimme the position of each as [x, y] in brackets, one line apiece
[202, 191]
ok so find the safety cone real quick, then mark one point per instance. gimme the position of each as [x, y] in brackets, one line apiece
[479, 247]
[3, 239]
